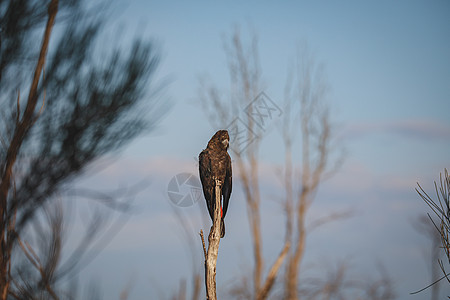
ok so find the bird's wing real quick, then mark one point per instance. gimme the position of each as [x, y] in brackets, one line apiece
[227, 185]
[206, 178]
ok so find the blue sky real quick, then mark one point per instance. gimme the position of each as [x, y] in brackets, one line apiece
[388, 65]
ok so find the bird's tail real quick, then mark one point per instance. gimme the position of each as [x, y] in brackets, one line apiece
[222, 228]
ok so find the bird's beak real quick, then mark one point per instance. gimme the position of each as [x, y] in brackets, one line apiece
[225, 143]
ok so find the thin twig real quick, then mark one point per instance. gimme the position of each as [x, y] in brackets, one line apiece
[430, 285]
[203, 242]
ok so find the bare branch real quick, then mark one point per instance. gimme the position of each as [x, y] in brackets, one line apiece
[203, 242]
[196, 289]
[336, 216]
[22, 127]
[271, 276]
[213, 247]
[307, 96]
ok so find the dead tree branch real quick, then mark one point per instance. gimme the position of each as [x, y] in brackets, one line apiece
[213, 248]
[311, 120]
[245, 86]
[272, 275]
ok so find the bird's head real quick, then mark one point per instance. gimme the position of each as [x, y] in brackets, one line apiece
[221, 138]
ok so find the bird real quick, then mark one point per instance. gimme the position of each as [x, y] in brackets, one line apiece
[215, 163]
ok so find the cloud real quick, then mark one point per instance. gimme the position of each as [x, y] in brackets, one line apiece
[422, 129]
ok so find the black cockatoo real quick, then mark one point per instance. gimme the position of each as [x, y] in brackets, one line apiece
[215, 162]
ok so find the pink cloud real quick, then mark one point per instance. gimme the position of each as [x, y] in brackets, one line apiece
[424, 129]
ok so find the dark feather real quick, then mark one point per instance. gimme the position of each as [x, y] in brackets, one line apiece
[215, 162]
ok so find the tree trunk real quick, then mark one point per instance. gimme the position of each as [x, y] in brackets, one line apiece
[263, 293]
[213, 249]
[21, 129]
[294, 260]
